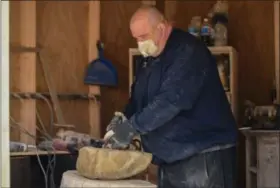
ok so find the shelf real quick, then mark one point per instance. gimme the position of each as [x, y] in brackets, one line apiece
[213, 49]
[30, 153]
[221, 49]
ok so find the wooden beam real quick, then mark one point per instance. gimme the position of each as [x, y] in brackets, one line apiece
[277, 48]
[45, 60]
[4, 96]
[94, 36]
[27, 65]
[160, 5]
[23, 49]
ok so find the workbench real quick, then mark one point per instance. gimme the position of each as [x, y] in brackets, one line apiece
[26, 172]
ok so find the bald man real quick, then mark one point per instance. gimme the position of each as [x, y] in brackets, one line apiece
[179, 108]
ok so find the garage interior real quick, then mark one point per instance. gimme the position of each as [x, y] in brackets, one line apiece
[51, 43]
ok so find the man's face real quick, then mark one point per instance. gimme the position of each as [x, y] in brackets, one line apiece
[147, 37]
[141, 30]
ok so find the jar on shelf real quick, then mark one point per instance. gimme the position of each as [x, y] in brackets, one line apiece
[194, 26]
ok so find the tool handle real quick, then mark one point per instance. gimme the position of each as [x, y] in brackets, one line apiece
[100, 48]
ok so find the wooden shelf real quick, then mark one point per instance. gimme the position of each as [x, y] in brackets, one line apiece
[213, 49]
[29, 153]
[222, 49]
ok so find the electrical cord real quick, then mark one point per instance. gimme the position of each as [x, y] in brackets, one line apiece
[17, 125]
[51, 162]
[50, 166]
[51, 111]
[44, 131]
[46, 137]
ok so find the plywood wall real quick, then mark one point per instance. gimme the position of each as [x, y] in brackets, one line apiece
[115, 34]
[62, 28]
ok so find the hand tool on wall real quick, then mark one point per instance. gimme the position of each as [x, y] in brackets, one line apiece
[45, 59]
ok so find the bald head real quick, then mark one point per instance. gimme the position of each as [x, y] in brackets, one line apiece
[144, 20]
[148, 13]
[148, 23]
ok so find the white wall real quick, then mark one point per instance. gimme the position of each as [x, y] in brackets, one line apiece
[4, 97]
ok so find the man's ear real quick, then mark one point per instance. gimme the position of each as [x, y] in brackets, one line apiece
[161, 26]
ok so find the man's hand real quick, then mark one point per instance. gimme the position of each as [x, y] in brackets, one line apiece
[117, 119]
[121, 136]
[114, 143]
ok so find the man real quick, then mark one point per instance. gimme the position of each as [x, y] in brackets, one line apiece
[179, 108]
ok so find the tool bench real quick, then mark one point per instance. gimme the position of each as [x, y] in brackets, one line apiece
[26, 172]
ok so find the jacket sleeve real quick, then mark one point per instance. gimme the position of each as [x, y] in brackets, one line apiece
[181, 86]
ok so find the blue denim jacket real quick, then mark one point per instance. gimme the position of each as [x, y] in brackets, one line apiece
[178, 104]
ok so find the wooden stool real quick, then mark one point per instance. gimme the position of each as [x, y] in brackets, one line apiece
[71, 178]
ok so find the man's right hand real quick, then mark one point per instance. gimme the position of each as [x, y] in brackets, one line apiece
[117, 119]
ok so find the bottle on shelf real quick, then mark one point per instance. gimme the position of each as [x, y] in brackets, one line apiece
[221, 36]
[210, 16]
[206, 32]
[219, 19]
[194, 26]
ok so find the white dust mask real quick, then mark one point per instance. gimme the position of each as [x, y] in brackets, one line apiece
[147, 47]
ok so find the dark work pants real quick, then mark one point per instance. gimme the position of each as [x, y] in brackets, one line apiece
[215, 169]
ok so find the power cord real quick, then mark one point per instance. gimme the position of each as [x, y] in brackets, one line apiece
[46, 137]
[17, 125]
[51, 162]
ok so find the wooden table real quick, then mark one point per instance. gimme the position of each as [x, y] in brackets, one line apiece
[26, 172]
[32, 153]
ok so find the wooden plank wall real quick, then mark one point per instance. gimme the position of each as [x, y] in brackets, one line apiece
[115, 34]
[63, 29]
[277, 46]
[14, 66]
[57, 23]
